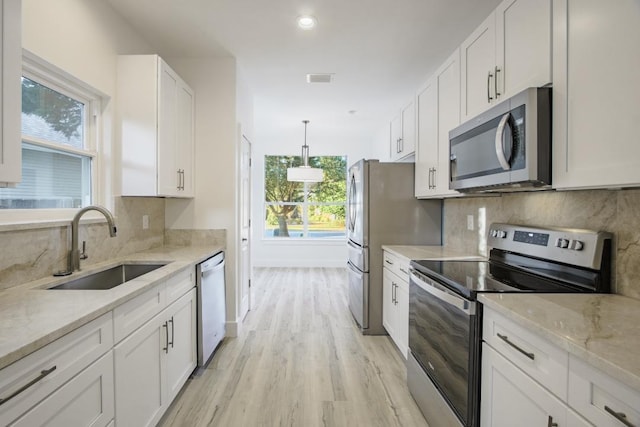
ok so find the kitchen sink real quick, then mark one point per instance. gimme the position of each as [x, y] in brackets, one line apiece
[109, 278]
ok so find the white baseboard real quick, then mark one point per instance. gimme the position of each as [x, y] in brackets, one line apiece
[279, 262]
[232, 329]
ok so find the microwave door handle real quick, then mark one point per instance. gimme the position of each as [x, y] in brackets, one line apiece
[500, 138]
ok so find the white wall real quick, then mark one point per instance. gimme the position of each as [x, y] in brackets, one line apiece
[214, 206]
[83, 38]
[266, 252]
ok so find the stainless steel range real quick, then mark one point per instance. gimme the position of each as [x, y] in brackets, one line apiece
[443, 369]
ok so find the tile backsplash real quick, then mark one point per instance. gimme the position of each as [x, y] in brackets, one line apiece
[615, 211]
[31, 254]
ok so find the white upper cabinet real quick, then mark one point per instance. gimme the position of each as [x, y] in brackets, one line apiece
[403, 133]
[508, 52]
[156, 109]
[438, 105]
[10, 108]
[595, 94]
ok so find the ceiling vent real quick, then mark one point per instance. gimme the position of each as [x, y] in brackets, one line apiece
[319, 78]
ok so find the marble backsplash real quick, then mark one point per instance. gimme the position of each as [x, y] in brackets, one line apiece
[195, 237]
[615, 211]
[30, 254]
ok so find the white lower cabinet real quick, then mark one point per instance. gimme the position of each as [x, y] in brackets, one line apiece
[529, 381]
[68, 373]
[152, 364]
[86, 400]
[182, 353]
[395, 304]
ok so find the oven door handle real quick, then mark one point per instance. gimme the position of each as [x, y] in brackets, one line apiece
[428, 285]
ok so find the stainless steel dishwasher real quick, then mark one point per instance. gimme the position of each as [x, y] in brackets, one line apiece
[211, 306]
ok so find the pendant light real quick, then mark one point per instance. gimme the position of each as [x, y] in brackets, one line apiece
[305, 173]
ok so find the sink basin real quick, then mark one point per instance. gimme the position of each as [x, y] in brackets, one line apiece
[110, 278]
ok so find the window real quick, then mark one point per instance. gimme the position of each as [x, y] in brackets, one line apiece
[305, 210]
[58, 150]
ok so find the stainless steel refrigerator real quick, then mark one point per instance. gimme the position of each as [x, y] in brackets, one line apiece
[382, 210]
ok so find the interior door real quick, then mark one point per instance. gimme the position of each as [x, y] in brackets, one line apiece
[245, 226]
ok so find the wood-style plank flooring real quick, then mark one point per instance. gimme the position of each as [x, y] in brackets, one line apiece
[299, 361]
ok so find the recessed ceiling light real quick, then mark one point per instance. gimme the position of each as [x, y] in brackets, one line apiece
[307, 22]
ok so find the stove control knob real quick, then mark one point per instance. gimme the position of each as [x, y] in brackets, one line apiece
[494, 233]
[562, 243]
[502, 234]
[576, 245]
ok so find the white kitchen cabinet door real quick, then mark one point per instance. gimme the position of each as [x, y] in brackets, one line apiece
[156, 109]
[87, 400]
[448, 118]
[402, 142]
[169, 176]
[595, 94]
[388, 302]
[402, 318]
[140, 380]
[408, 142]
[523, 46]
[427, 146]
[511, 398]
[509, 52]
[438, 113]
[182, 356]
[395, 136]
[10, 107]
[478, 63]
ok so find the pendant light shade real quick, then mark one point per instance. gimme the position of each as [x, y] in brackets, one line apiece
[305, 173]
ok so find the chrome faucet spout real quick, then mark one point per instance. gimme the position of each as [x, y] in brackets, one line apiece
[74, 254]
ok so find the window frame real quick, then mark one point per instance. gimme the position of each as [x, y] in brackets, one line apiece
[304, 206]
[53, 77]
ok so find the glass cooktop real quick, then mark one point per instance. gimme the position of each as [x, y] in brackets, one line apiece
[467, 278]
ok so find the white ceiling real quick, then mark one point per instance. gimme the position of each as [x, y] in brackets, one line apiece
[379, 50]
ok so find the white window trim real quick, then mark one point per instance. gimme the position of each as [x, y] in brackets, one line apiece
[42, 71]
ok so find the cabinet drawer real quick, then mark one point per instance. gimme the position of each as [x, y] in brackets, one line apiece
[180, 284]
[540, 359]
[597, 396]
[398, 265]
[134, 313]
[86, 400]
[54, 364]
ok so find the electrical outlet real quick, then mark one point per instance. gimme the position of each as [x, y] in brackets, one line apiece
[470, 222]
[145, 222]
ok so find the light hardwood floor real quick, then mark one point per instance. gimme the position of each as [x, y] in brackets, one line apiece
[299, 361]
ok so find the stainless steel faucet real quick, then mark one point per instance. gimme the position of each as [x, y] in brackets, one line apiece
[74, 254]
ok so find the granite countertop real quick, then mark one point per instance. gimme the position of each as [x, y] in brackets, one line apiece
[32, 316]
[429, 252]
[603, 330]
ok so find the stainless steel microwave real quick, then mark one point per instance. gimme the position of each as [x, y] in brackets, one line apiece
[507, 148]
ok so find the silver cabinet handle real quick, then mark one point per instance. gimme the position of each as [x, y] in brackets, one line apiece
[166, 331]
[430, 178]
[404, 271]
[526, 353]
[435, 178]
[489, 77]
[503, 156]
[43, 374]
[388, 261]
[393, 293]
[550, 422]
[173, 333]
[495, 82]
[620, 416]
